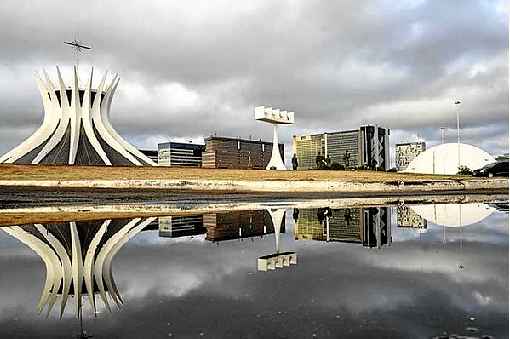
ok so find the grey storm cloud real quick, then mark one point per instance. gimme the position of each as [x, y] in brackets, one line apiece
[195, 68]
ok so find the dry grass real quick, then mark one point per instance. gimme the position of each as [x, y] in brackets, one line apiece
[10, 219]
[47, 172]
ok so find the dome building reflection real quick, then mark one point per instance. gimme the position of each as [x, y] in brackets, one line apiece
[453, 215]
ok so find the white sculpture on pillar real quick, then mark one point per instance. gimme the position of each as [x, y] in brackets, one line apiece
[275, 117]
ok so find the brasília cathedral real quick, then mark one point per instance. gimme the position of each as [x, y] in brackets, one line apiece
[76, 129]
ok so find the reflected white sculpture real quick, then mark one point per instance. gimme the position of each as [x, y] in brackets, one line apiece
[64, 271]
[277, 259]
[76, 128]
[274, 117]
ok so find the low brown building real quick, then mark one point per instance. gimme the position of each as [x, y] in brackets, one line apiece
[221, 152]
[238, 225]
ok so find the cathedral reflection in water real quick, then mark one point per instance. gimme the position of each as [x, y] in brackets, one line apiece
[78, 259]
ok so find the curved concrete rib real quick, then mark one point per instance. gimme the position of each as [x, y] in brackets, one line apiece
[87, 120]
[43, 133]
[64, 118]
[75, 118]
[107, 266]
[65, 263]
[107, 247]
[106, 121]
[50, 259]
[89, 262]
[101, 129]
[77, 264]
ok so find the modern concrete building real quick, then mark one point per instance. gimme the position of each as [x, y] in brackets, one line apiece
[446, 158]
[151, 154]
[370, 227]
[181, 226]
[367, 146]
[222, 152]
[306, 148]
[408, 218]
[76, 128]
[180, 154]
[407, 152]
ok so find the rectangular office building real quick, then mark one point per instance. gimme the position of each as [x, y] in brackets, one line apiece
[180, 154]
[367, 146]
[306, 148]
[370, 227]
[407, 152]
[221, 152]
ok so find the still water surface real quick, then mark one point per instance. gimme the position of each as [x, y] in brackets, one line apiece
[410, 271]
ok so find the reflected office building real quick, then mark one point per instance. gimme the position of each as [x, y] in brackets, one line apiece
[370, 227]
[181, 226]
[408, 218]
[239, 225]
[219, 226]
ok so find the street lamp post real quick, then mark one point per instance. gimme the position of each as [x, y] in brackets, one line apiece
[443, 129]
[458, 102]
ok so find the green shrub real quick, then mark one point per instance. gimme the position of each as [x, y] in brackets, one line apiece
[464, 170]
[337, 167]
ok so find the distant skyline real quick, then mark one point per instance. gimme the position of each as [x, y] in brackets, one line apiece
[190, 69]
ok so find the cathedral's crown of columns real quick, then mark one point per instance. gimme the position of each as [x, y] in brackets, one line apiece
[76, 128]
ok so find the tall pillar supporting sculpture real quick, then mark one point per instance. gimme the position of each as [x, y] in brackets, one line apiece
[275, 117]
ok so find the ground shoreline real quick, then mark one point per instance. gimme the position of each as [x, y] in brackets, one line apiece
[224, 181]
[275, 186]
[193, 204]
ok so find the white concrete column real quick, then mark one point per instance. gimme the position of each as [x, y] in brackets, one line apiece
[277, 218]
[276, 158]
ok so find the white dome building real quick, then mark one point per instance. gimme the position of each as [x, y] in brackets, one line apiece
[443, 159]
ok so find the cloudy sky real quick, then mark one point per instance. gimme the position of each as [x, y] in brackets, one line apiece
[192, 68]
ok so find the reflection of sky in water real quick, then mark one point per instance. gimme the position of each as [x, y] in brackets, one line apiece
[422, 285]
